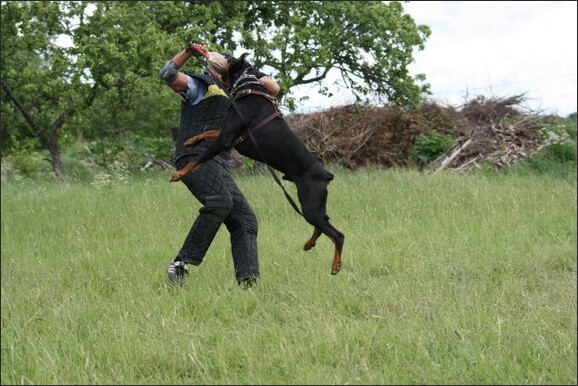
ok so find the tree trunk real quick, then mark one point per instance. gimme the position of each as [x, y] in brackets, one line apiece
[50, 141]
[56, 160]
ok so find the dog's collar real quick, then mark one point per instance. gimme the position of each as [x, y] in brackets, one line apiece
[244, 80]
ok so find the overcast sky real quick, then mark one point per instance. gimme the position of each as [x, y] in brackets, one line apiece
[494, 49]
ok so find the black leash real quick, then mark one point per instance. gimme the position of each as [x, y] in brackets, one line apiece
[271, 170]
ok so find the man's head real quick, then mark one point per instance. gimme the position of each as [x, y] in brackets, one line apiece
[217, 63]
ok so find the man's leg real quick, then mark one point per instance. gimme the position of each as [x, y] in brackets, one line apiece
[210, 188]
[242, 226]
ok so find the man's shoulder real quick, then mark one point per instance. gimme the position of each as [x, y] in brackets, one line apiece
[204, 77]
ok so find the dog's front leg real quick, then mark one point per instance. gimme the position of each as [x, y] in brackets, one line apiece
[189, 168]
[208, 135]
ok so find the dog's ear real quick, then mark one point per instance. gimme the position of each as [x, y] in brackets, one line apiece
[234, 62]
[242, 57]
[236, 65]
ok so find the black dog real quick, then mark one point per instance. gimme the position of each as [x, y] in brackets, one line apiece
[277, 146]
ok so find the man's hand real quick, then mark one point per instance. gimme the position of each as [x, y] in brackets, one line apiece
[194, 48]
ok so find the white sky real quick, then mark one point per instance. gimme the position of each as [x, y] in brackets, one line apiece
[491, 48]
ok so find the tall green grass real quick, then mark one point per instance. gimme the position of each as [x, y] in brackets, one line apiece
[447, 279]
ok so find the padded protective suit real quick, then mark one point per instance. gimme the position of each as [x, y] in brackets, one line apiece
[214, 187]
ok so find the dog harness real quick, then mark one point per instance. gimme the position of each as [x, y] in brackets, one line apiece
[276, 113]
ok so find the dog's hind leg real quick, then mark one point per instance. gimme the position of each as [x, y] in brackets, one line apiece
[313, 198]
[311, 242]
[338, 238]
[336, 265]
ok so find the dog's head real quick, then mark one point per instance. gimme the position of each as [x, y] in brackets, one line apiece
[240, 72]
[237, 67]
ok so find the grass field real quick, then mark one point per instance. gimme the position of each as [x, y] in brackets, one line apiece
[446, 279]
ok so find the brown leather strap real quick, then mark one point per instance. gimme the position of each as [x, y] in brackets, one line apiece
[276, 114]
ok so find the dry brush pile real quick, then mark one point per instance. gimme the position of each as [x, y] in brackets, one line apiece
[492, 130]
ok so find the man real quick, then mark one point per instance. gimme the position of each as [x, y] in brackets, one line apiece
[204, 106]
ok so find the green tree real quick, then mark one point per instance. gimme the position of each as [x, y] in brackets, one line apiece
[122, 47]
[39, 76]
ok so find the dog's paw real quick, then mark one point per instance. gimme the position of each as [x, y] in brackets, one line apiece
[177, 176]
[336, 267]
[308, 245]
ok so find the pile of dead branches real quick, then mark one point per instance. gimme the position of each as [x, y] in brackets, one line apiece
[357, 136]
[491, 130]
[499, 134]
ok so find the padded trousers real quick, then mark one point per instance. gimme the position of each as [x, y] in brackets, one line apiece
[223, 202]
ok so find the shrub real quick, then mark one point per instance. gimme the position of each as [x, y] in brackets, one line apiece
[34, 164]
[427, 147]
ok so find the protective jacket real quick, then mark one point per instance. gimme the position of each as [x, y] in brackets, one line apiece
[208, 114]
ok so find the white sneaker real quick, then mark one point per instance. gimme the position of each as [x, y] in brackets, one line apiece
[176, 271]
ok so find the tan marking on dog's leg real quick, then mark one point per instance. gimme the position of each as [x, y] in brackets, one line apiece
[208, 135]
[311, 242]
[336, 265]
[212, 134]
[194, 140]
[179, 174]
